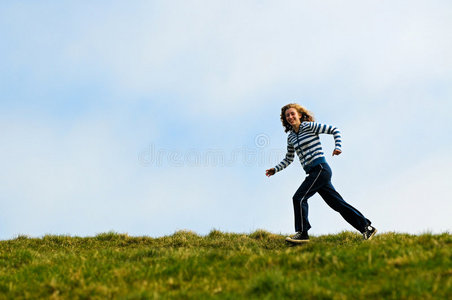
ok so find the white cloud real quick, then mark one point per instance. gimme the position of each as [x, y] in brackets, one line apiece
[55, 180]
[416, 200]
[381, 70]
[88, 179]
[222, 55]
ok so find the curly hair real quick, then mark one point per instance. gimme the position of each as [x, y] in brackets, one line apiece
[306, 115]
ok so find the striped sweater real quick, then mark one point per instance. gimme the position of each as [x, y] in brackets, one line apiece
[307, 145]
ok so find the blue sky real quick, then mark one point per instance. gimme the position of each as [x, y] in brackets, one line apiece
[90, 90]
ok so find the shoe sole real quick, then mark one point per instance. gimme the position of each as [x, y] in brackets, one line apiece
[288, 239]
[372, 235]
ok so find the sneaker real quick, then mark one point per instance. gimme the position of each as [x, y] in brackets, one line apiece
[369, 232]
[298, 238]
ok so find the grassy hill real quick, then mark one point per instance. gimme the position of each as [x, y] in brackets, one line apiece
[227, 266]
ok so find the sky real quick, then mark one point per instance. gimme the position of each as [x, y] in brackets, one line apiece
[148, 117]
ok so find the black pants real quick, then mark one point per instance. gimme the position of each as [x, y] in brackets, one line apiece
[319, 180]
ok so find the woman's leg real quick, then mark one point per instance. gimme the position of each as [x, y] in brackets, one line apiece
[348, 212]
[312, 183]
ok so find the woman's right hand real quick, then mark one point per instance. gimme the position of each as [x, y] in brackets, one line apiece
[270, 172]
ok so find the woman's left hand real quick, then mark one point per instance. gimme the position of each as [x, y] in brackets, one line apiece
[336, 152]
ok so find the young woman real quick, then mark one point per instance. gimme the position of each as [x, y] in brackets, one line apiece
[304, 139]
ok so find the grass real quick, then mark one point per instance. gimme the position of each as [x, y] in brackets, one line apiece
[227, 266]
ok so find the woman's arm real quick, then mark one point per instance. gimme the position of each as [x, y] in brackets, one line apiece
[285, 162]
[319, 128]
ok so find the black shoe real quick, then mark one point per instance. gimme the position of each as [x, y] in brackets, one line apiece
[298, 238]
[369, 232]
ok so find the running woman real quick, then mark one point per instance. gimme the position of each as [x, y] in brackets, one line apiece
[304, 139]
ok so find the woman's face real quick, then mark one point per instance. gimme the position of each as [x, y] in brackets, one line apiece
[293, 117]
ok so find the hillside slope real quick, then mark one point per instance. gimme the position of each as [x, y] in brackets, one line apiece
[220, 265]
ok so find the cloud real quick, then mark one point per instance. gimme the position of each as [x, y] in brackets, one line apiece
[225, 55]
[415, 199]
[88, 179]
[87, 86]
